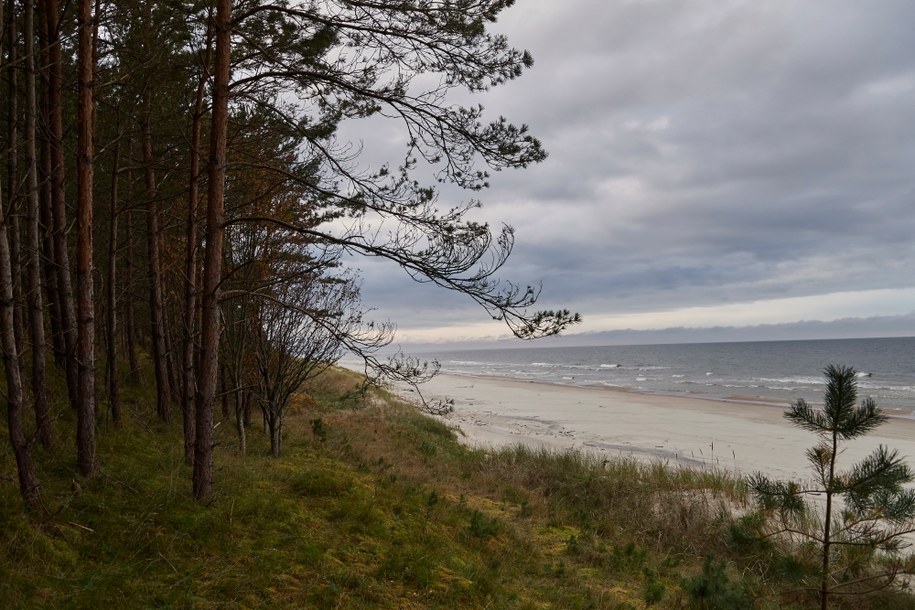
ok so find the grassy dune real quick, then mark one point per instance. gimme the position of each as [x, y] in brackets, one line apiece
[373, 505]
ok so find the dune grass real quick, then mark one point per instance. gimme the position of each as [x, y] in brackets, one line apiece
[372, 505]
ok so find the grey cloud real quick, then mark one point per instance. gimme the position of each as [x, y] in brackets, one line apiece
[699, 153]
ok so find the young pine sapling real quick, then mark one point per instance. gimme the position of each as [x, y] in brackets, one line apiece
[860, 531]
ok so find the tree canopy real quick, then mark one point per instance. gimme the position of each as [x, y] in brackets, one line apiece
[198, 143]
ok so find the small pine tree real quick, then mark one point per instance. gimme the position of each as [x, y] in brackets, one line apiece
[860, 532]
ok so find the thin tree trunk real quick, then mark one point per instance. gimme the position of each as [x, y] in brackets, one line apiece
[156, 304]
[212, 264]
[827, 525]
[12, 176]
[240, 427]
[28, 483]
[58, 206]
[48, 268]
[33, 275]
[275, 425]
[188, 396]
[114, 399]
[130, 331]
[170, 328]
[85, 427]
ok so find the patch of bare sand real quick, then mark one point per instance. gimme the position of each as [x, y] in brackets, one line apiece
[732, 435]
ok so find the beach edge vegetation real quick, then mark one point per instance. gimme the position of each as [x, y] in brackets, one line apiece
[373, 504]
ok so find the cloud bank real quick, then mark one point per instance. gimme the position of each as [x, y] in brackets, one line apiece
[702, 155]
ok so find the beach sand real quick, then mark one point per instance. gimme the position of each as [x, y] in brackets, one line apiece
[731, 435]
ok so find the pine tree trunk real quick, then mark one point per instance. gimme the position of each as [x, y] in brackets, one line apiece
[28, 483]
[130, 332]
[114, 398]
[48, 270]
[188, 394]
[156, 304]
[61, 258]
[240, 428]
[33, 266]
[85, 431]
[12, 176]
[212, 264]
[827, 525]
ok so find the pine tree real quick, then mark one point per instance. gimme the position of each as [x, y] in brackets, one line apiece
[867, 510]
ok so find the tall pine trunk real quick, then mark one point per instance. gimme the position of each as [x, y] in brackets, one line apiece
[58, 206]
[156, 304]
[188, 393]
[130, 329]
[12, 175]
[212, 263]
[827, 524]
[85, 427]
[48, 269]
[111, 325]
[33, 249]
[28, 483]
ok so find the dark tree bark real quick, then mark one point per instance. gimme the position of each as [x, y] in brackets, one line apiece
[156, 300]
[33, 266]
[48, 268]
[130, 329]
[61, 257]
[85, 427]
[28, 483]
[111, 326]
[188, 394]
[12, 173]
[212, 263]
[241, 401]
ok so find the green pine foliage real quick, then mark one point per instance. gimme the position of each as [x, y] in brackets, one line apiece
[857, 519]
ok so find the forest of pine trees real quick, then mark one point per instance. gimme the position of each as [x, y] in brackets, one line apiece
[172, 187]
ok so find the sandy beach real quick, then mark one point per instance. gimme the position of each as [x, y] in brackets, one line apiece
[734, 436]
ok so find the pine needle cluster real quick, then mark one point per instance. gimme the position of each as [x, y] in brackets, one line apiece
[860, 531]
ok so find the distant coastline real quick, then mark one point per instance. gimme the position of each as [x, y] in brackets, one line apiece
[876, 327]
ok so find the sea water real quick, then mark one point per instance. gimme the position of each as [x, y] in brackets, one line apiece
[776, 372]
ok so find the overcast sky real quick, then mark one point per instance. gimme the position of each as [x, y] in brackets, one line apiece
[712, 163]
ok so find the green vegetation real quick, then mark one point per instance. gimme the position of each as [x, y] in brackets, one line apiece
[859, 533]
[374, 505]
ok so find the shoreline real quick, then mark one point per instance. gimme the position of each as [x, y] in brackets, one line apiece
[748, 399]
[740, 436]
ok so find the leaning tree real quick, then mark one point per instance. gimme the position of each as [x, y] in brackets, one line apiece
[316, 63]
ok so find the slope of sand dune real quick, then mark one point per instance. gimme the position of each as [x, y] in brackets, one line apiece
[731, 435]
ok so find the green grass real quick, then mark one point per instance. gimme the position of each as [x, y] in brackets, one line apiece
[375, 506]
